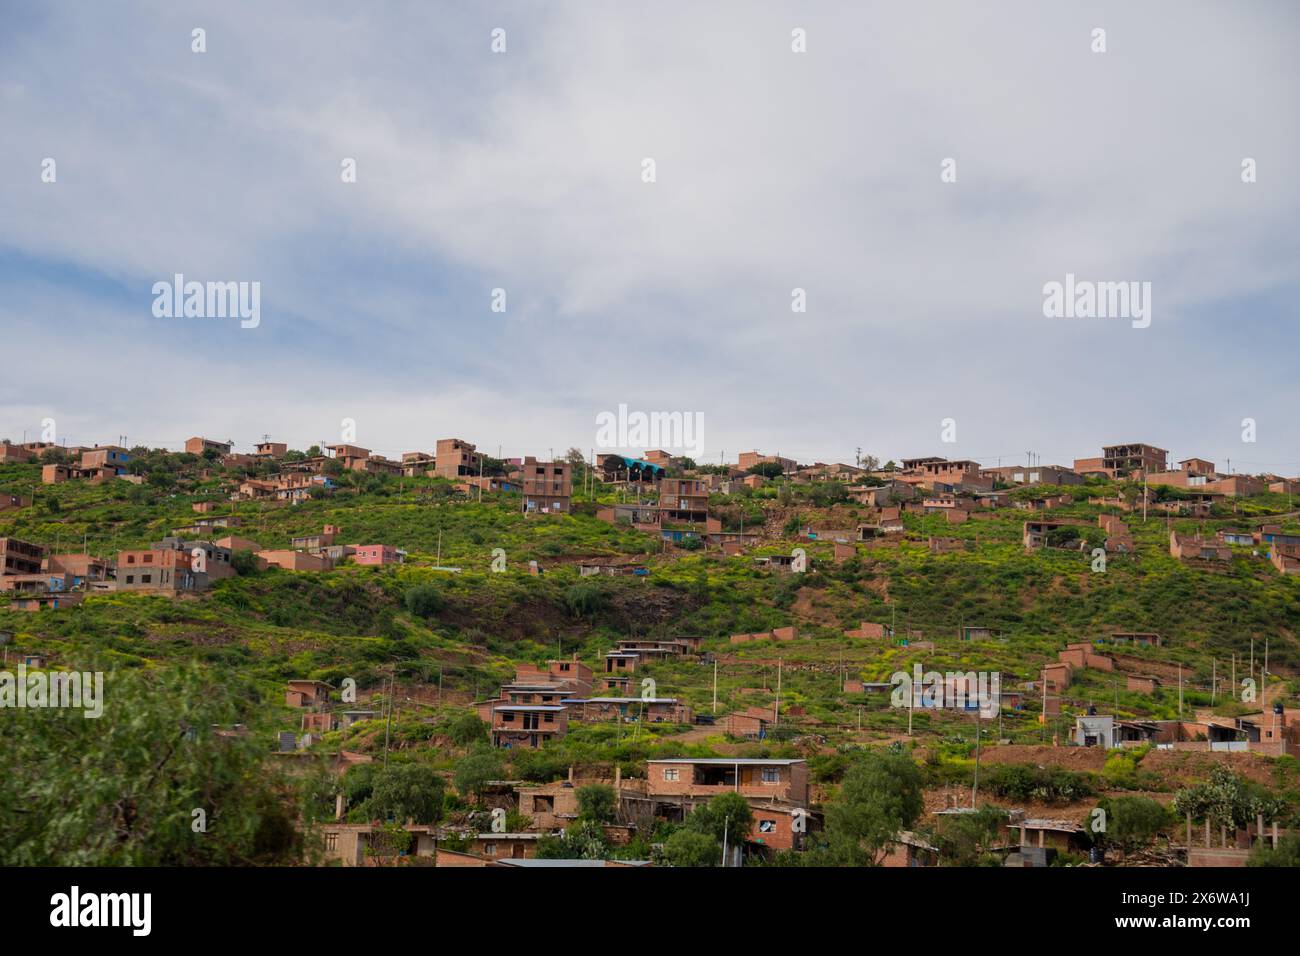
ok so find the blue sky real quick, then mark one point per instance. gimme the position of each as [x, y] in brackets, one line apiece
[775, 170]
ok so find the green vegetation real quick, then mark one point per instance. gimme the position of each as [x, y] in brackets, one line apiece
[423, 641]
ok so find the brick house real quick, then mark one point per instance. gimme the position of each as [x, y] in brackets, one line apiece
[527, 726]
[159, 569]
[651, 710]
[547, 486]
[306, 693]
[619, 662]
[760, 777]
[1238, 486]
[1184, 547]
[1141, 638]
[683, 500]
[961, 474]
[197, 446]
[454, 458]
[751, 459]
[776, 791]
[104, 461]
[1285, 557]
[1036, 532]
[1119, 460]
[1034, 475]
[293, 560]
[20, 557]
[751, 724]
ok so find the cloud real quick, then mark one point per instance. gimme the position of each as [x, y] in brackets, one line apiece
[775, 170]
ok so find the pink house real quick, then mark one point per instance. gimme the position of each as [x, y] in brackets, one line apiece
[376, 554]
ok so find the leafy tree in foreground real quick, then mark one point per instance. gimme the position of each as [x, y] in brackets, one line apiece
[880, 797]
[148, 783]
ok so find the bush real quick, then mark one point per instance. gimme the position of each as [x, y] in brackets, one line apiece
[425, 600]
[691, 848]
[584, 599]
[597, 802]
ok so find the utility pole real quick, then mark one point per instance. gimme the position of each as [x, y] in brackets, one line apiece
[392, 682]
[975, 787]
[726, 822]
[776, 707]
[1214, 680]
[1180, 691]
[911, 704]
[715, 685]
[1044, 704]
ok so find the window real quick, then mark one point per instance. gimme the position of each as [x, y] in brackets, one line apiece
[671, 773]
[146, 578]
[771, 775]
[130, 579]
[550, 718]
[508, 718]
[331, 841]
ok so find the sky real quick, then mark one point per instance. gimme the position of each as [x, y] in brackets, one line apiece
[774, 170]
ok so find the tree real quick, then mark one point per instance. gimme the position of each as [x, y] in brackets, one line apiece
[880, 797]
[582, 840]
[768, 469]
[466, 729]
[473, 773]
[585, 598]
[403, 792]
[244, 562]
[726, 814]
[1133, 822]
[689, 847]
[1226, 800]
[123, 789]
[597, 802]
[1286, 854]
[964, 839]
[424, 600]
